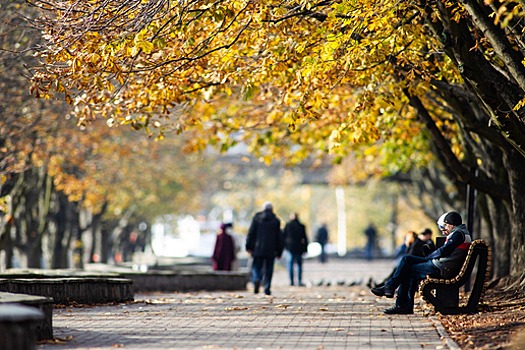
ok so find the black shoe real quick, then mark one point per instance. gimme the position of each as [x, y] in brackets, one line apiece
[267, 292]
[385, 291]
[380, 284]
[398, 310]
[256, 287]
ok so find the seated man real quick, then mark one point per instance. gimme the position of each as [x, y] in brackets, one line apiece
[444, 262]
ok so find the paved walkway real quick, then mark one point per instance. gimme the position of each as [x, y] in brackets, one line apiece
[326, 314]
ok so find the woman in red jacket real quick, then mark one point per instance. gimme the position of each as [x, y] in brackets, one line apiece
[224, 252]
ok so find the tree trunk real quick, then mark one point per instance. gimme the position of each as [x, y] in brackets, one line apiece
[516, 167]
[66, 220]
[497, 233]
[59, 259]
[106, 246]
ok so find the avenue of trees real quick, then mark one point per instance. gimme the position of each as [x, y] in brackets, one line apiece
[69, 192]
[430, 92]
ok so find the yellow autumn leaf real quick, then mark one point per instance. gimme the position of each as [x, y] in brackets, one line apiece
[145, 46]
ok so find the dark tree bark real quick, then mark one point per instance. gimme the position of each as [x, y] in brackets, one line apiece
[485, 108]
[60, 250]
[515, 164]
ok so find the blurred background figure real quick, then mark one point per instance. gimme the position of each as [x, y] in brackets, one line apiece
[296, 243]
[405, 247]
[401, 251]
[322, 238]
[264, 243]
[371, 234]
[423, 244]
[224, 251]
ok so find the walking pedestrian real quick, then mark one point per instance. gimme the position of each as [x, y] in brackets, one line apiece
[371, 234]
[322, 238]
[296, 243]
[444, 262]
[264, 242]
[224, 251]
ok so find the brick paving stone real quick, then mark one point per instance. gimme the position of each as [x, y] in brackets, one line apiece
[317, 317]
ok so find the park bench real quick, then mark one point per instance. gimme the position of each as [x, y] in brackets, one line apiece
[41, 327]
[70, 290]
[443, 294]
[18, 325]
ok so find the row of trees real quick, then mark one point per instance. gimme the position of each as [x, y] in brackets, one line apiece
[420, 88]
[73, 194]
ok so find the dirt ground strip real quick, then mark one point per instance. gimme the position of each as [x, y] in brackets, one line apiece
[499, 324]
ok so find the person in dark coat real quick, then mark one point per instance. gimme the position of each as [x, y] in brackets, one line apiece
[296, 243]
[443, 262]
[423, 245]
[264, 242]
[224, 251]
[371, 234]
[322, 238]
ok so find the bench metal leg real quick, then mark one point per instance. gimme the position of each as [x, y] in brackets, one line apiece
[447, 296]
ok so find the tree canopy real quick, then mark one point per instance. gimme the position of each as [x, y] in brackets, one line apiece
[300, 74]
[58, 180]
[390, 79]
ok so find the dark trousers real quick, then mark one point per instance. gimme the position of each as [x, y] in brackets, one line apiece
[322, 256]
[295, 260]
[262, 271]
[409, 272]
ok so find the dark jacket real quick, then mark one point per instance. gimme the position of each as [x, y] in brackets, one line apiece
[224, 252]
[265, 237]
[295, 240]
[322, 235]
[421, 247]
[450, 257]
